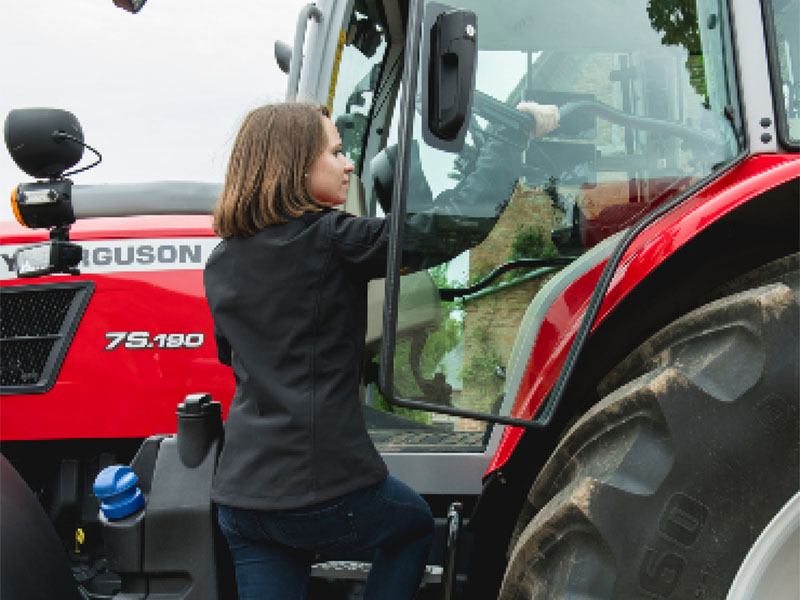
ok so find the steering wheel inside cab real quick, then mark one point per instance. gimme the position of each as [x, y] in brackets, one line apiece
[563, 155]
[512, 127]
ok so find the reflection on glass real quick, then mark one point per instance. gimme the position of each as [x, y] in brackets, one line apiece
[647, 109]
[355, 81]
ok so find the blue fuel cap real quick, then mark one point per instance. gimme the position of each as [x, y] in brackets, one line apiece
[116, 488]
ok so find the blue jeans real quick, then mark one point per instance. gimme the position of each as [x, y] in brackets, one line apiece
[273, 550]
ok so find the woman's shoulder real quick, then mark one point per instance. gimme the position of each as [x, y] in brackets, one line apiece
[217, 253]
[337, 226]
[347, 228]
[289, 227]
[343, 218]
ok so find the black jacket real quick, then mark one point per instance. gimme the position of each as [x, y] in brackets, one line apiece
[290, 311]
[290, 307]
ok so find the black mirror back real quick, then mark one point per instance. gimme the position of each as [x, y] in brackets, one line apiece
[283, 55]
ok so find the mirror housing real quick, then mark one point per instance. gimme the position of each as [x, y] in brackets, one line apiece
[33, 139]
[283, 55]
[448, 89]
[131, 6]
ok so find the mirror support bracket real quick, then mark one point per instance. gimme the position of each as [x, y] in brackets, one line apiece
[309, 11]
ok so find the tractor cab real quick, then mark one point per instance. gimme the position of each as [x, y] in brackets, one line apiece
[649, 106]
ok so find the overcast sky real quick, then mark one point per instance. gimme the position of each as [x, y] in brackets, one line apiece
[160, 93]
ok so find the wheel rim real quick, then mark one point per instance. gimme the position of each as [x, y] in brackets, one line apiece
[770, 568]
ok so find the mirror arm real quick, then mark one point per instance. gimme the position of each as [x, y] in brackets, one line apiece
[309, 11]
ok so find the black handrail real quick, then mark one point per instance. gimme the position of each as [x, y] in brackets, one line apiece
[449, 294]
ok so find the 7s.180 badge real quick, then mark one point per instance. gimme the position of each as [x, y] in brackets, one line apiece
[143, 340]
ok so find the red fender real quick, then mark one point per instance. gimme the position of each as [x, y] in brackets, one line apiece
[649, 249]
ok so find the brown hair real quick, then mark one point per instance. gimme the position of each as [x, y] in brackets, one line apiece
[265, 182]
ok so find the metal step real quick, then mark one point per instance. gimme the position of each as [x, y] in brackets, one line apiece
[357, 571]
[398, 440]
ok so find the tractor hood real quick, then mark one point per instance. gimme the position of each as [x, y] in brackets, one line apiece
[129, 227]
[131, 210]
[115, 228]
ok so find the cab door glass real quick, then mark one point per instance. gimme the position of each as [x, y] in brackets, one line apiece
[364, 41]
[646, 91]
[362, 83]
[785, 29]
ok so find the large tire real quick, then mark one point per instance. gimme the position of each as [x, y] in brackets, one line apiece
[660, 490]
[33, 563]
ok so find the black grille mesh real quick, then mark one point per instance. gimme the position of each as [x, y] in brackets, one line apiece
[34, 313]
[22, 361]
[33, 328]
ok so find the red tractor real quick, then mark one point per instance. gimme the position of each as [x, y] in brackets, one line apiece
[599, 399]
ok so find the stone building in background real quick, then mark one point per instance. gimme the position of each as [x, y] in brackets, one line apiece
[492, 318]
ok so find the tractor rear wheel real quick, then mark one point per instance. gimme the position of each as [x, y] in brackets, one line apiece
[662, 488]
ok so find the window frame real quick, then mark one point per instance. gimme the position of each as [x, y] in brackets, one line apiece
[381, 82]
[778, 100]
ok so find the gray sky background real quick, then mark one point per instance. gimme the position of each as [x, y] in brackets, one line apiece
[160, 94]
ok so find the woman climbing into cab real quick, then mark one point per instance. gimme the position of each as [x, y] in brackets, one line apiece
[298, 477]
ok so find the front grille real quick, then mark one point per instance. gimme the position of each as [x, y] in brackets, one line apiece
[34, 312]
[23, 360]
[36, 326]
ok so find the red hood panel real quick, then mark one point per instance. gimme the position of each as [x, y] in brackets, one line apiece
[111, 228]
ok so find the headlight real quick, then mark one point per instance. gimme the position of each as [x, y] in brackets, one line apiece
[43, 204]
[48, 257]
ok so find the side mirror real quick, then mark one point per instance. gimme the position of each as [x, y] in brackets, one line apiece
[448, 88]
[283, 55]
[131, 6]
